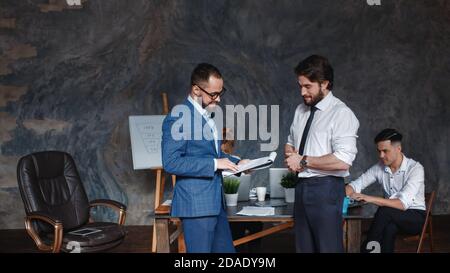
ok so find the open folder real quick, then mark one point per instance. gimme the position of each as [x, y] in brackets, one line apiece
[255, 164]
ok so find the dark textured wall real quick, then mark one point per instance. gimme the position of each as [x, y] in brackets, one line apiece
[70, 79]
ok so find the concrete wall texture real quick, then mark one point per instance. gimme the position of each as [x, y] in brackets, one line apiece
[69, 79]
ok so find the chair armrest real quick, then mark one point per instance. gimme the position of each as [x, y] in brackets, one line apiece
[117, 206]
[58, 231]
[108, 202]
[40, 215]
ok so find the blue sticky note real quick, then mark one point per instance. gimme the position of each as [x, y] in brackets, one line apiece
[345, 205]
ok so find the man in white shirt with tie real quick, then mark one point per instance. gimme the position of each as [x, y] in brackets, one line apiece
[402, 179]
[321, 148]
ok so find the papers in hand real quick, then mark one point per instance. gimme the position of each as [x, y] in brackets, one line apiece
[257, 211]
[255, 164]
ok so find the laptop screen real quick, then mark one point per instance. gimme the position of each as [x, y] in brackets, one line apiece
[244, 187]
[275, 175]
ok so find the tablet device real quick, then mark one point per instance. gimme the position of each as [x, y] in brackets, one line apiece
[84, 231]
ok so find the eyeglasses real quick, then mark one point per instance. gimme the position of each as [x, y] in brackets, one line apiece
[213, 95]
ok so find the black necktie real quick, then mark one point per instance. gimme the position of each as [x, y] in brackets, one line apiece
[306, 130]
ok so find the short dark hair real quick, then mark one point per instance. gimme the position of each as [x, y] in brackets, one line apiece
[202, 72]
[317, 69]
[388, 134]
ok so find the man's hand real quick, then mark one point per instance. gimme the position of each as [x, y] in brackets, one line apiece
[226, 164]
[349, 190]
[245, 161]
[379, 201]
[362, 197]
[292, 161]
[288, 149]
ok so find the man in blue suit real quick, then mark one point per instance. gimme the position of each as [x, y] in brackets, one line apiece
[191, 151]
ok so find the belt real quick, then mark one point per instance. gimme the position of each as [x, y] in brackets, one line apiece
[318, 179]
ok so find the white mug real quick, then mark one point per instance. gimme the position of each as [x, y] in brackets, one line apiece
[261, 193]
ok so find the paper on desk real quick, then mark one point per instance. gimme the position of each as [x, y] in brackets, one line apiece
[255, 164]
[257, 211]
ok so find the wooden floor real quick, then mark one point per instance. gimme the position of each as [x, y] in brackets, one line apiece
[139, 238]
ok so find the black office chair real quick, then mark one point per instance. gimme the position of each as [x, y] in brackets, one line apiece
[56, 204]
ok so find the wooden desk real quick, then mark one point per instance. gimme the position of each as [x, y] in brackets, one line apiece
[283, 216]
[352, 226]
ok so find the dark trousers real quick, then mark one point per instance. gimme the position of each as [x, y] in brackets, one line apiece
[318, 214]
[387, 222]
[209, 234]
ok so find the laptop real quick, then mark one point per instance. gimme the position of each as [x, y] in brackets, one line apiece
[244, 187]
[275, 175]
[354, 204]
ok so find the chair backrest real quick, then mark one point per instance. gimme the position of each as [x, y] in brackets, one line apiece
[49, 183]
[429, 200]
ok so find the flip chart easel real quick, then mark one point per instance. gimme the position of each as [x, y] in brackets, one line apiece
[161, 208]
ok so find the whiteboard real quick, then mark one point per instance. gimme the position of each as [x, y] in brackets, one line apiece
[145, 136]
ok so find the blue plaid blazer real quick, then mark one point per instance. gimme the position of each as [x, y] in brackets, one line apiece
[198, 191]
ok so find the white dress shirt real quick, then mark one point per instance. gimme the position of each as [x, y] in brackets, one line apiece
[406, 184]
[210, 122]
[333, 131]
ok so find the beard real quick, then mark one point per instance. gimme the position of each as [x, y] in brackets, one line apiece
[314, 99]
[209, 106]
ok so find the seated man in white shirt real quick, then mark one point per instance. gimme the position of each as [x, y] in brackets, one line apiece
[402, 179]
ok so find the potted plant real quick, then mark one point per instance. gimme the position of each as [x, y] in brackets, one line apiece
[288, 182]
[230, 188]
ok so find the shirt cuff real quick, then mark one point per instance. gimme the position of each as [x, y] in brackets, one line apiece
[402, 199]
[215, 165]
[354, 188]
[237, 158]
[344, 157]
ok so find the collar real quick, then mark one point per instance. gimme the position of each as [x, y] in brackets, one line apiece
[198, 107]
[403, 166]
[325, 102]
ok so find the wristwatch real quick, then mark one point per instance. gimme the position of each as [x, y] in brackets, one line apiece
[304, 162]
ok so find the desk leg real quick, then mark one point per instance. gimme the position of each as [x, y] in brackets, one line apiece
[154, 237]
[353, 235]
[264, 233]
[162, 238]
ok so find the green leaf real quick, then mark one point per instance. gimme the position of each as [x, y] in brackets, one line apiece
[289, 180]
[230, 185]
